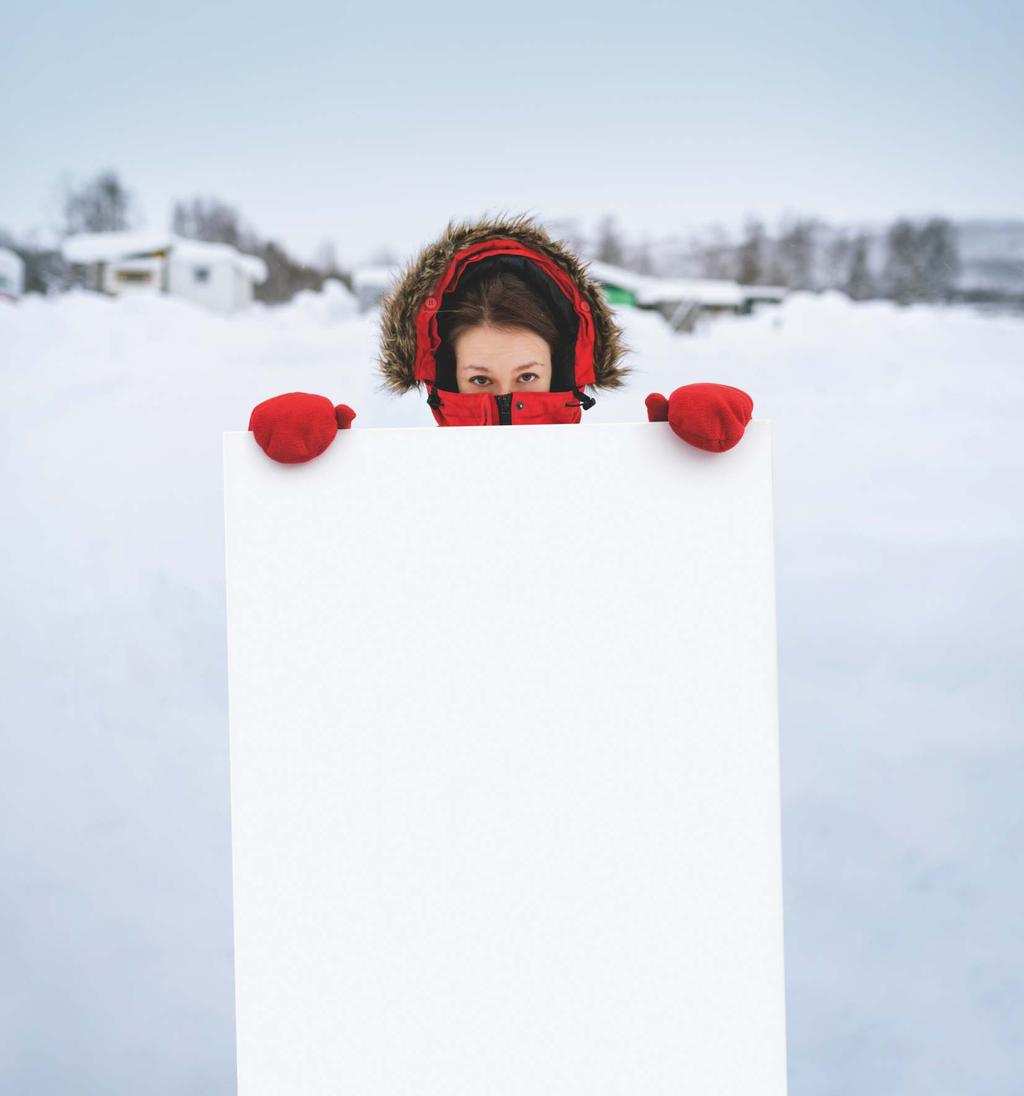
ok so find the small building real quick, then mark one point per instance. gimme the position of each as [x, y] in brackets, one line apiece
[216, 276]
[680, 300]
[12, 274]
[371, 283]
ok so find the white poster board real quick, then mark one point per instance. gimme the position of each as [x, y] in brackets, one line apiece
[504, 765]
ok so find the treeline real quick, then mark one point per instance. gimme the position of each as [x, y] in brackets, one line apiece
[906, 262]
[104, 204]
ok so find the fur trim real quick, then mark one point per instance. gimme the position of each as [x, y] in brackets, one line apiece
[397, 357]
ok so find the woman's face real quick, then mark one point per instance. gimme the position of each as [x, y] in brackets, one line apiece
[498, 360]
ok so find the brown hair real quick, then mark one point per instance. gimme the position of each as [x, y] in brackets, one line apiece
[500, 300]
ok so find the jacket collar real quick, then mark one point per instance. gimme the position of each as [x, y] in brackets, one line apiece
[516, 408]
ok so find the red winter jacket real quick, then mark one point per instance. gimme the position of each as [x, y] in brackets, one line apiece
[414, 352]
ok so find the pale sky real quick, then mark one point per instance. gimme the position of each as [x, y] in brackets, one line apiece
[372, 124]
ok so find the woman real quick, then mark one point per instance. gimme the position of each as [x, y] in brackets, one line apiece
[502, 326]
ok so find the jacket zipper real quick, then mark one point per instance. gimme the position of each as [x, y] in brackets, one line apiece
[504, 409]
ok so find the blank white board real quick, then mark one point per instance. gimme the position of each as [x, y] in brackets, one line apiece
[504, 765]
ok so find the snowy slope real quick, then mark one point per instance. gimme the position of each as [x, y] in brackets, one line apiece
[899, 459]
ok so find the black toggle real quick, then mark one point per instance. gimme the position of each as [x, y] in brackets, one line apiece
[587, 401]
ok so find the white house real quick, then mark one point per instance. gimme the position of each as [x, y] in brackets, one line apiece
[680, 300]
[12, 274]
[217, 276]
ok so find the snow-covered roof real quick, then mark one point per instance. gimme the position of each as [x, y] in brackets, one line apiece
[107, 247]
[615, 275]
[651, 290]
[201, 251]
[702, 290]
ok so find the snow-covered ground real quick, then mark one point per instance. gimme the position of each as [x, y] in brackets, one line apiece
[898, 477]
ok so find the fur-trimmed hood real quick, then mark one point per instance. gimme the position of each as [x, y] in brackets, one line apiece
[409, 325]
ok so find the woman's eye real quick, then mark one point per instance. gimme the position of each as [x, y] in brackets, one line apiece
[528, 378]
[480, 380]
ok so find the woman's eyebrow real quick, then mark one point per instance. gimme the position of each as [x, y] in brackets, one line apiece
[487, 369]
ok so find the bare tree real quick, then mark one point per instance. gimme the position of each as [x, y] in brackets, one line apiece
[285, 276]
[835, 262]
[640, 258]
[859, 283]
[212, 220]
[751, 258]
[900, 261]
[795, 254]
[101, 204]
[610, 247]
[938, 260]
[921, 260]
[714, 253]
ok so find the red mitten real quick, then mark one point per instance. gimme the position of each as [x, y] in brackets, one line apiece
[298, 426]
[709, 416]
